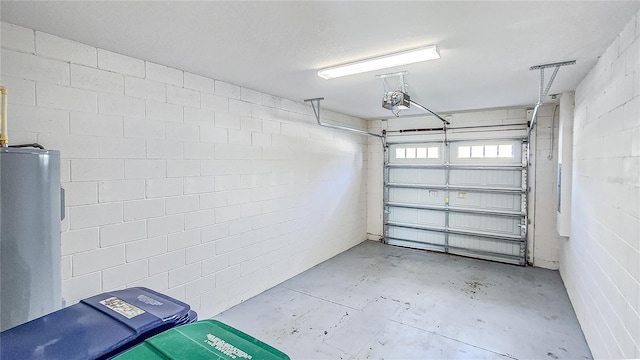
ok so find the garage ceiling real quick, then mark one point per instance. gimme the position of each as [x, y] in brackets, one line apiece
[277, 47]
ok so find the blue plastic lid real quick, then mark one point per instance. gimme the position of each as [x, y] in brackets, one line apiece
[97, 327]
[140, 309]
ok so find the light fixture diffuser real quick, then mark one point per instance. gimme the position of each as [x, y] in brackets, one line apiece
[382, 62]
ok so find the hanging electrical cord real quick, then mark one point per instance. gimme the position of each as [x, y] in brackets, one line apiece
[553, 126]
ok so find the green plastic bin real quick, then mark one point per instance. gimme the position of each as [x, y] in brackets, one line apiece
[206, 339]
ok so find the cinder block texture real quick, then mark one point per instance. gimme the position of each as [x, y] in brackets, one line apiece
[181, 182]
[600, 262]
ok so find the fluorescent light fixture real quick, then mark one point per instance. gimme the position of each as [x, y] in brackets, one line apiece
[382, 62]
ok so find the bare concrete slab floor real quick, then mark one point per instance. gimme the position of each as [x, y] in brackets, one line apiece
[376, 301]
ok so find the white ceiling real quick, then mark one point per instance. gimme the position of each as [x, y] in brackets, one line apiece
[277, 47]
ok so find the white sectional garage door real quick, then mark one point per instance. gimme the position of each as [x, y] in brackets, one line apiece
[464, 197]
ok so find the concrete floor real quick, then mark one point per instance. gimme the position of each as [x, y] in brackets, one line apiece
[376, 301]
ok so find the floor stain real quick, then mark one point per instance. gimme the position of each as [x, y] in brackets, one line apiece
[426, 297]
[343, 316]
[472, 287]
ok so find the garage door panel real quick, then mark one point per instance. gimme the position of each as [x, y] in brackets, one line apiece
[417, 235]
[489, 224]
[417, 196]
[511, 202]
[417, 176]
[487, 256]
[465, 198]
[460, 242]
[485, 201]
[488, 178]
[502, 178]
[417, 216]
[509, 252]
[415, 244]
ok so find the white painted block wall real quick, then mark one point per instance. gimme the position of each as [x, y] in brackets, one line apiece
[543, 247]
[191, 186]
[375, 181]
[600, 262]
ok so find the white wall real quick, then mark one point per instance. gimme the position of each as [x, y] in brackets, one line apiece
[375, 181]
[543, 247]
[198, 188]
[600, 262]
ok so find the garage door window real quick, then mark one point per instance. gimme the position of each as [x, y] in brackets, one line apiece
[427, 152]
[485, 151]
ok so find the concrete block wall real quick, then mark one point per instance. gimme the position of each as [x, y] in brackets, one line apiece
[375, 181]
[600, 262]
[195, 187]
[543, 247]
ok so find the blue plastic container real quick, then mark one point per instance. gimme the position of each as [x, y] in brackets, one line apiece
[98, 327]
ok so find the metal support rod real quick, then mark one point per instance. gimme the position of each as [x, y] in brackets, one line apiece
[316, 111]
[447, 193]
[453, 140]
[533, 120]
[540, 96]
[425, 109]
[385, 196]
[544, 66]
[491, 127]
[544, 91]
[419, 130]
[553, 77]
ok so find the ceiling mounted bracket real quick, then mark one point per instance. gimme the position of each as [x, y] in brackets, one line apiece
[401, 74]
[550, 65]
[315, 104]
[544, 90]
[403, 89]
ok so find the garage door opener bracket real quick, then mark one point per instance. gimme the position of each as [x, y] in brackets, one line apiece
[544, 91]
[315, 104]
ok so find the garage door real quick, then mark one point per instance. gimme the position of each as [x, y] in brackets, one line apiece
[463, 197]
